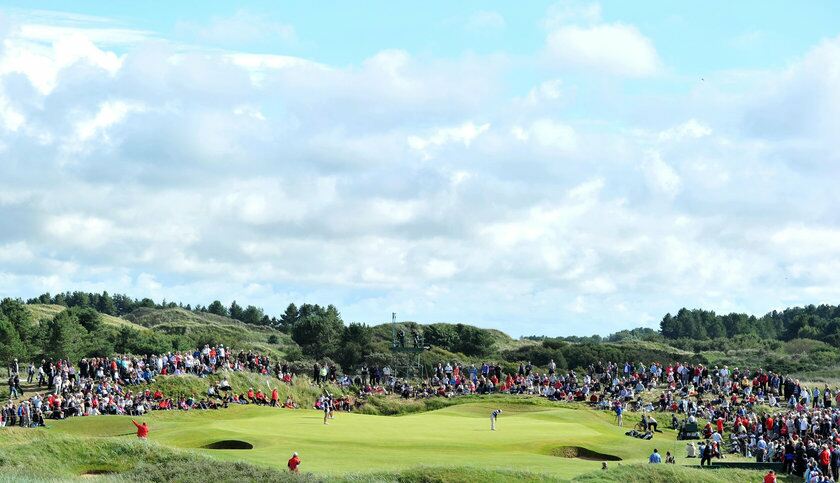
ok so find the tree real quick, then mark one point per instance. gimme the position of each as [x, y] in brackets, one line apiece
[236, 311]
[440, 335]
[10, 344]
[317, 335]
[356, 345]
[21, 319]
[147, 303]
[217, 308]
[87, 317]
[288, 319]
[64, 337]
[473, 341]
[252, 315]
[106, 304]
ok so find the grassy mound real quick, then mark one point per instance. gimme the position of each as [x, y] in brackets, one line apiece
[667, 474]
[42, 312]
[203, 327]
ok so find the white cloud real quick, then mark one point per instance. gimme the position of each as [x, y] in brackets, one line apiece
[609, 48]
[660, 176]
[547, 133]
[463, 134]
[42, 64]
[436, 268]
[197, 174]
[109, 114]
[691, 129]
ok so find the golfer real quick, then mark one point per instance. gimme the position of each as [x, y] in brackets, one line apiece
[142, 430]
[293, 463]
[327, 409]
[493, 417]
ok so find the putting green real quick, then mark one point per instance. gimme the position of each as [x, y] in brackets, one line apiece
[534, 438]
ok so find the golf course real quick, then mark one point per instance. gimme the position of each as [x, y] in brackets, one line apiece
[533, 441]
[535, 437]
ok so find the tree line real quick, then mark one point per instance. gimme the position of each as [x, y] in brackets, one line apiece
[119, 305]
[818, 322]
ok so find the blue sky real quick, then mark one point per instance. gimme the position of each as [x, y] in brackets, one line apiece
[565, 168]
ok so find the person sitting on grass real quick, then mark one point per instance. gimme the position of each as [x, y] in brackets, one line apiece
[655, 457]
[669, 458]
[690, 450]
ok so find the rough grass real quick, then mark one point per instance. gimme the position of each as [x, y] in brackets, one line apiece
[42, 312]
[663, 473]
[208, 327]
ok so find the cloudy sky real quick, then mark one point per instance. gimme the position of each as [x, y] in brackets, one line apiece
[569, 168]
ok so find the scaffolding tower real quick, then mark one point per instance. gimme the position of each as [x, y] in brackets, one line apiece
[406, 348]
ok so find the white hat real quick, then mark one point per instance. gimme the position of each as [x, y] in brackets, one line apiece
[295, 453]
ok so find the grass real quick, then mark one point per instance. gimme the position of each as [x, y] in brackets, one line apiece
[209, 326]
[41, 312]
[533, 443]
[457, 436]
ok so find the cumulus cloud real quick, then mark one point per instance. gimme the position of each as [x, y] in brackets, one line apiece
[660, 176]
[414, 184]
[610, 48]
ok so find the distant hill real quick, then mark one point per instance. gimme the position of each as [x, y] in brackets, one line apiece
[42, 312]
[198, 327]
[204, 326]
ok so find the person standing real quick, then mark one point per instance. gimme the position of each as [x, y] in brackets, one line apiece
[706, 454]
[327, 407]
[493, 417]
[293, 463]
[30, 373]
[619, 412]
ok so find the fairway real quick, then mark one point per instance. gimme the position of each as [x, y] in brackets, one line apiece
[528, 437]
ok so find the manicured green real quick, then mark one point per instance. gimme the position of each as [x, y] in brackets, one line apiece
[526, 438]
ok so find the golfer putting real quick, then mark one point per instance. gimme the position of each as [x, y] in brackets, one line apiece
[493, 417]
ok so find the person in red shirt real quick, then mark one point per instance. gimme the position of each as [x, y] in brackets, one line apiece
[142, 429]
[293, 464]
[770, 477]
[824, 459]
[275, 397]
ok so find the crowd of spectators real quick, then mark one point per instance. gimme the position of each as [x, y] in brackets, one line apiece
[119, 385]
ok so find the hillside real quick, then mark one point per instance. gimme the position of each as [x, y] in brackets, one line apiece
[191, 329]
[208, 328]
[41, 312]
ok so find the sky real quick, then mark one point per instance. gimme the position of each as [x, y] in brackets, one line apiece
[568, 168]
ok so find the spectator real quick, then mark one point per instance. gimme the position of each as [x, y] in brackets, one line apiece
[655, 458]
